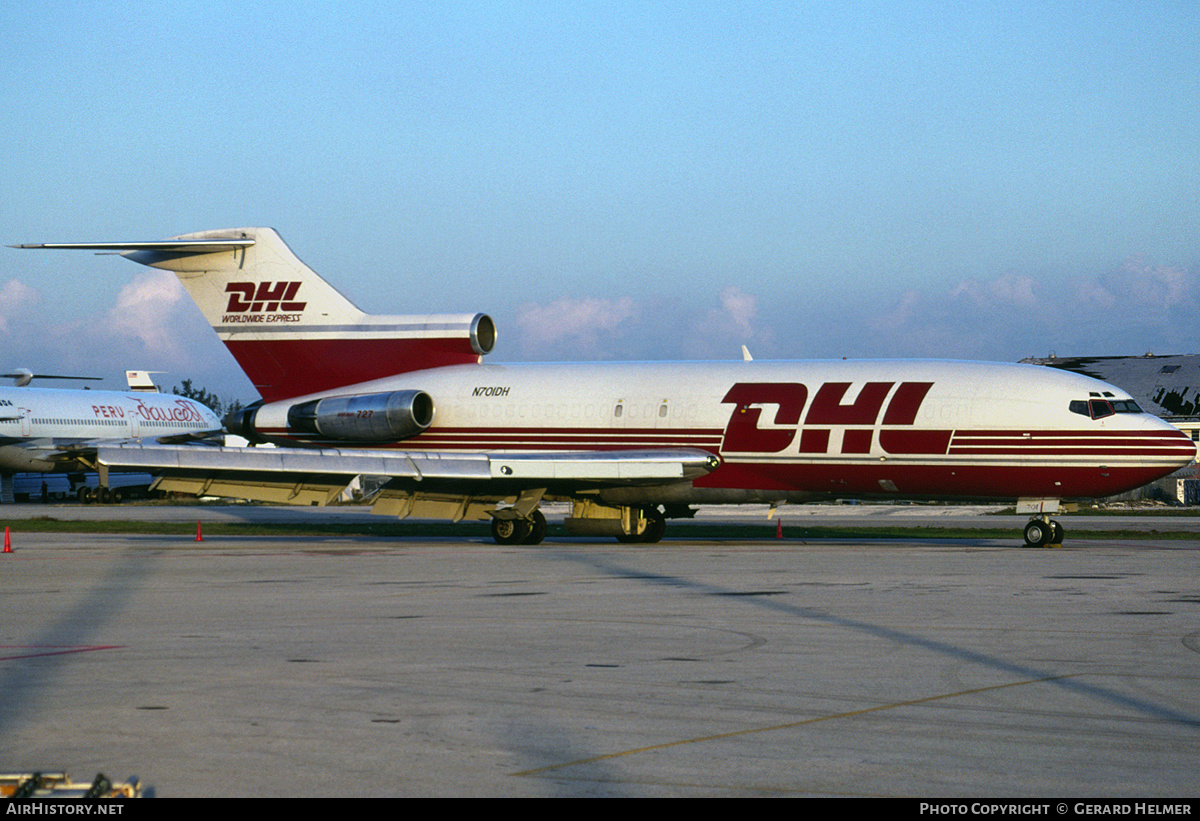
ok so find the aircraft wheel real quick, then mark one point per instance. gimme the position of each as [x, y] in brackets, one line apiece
[84, 495]
[656, 525]
[104, 496]
[117, 495]
[1038, 533]
[537, 528]
[510, 531]
[1058, 534]
[629, 538]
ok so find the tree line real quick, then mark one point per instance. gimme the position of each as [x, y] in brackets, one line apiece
[221, 407]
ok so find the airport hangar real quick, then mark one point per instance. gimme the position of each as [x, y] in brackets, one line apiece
[1167, 386]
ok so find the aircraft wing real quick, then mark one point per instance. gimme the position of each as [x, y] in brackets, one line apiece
[86, 451]
[197, 436]
[467, 484]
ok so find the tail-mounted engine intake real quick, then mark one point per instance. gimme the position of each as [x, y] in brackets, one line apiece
[372, 417]
[241, 423]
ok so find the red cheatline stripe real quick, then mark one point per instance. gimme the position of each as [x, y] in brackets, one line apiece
[543, 438]
[1075, 446]
[526, 437]
[557, 439]
[1159, 434]
[584, 437]
[1032, 451]
[1049, 440]
[1066, 443]
[551, 445]
[681, 432]
[586, 431]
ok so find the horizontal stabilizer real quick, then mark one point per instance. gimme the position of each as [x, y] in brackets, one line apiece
[23, 376]
[165, 246]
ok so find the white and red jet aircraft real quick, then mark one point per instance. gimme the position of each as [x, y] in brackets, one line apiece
[52, 430]
[628, 444]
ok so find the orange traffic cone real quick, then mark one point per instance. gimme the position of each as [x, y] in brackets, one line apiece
[199, 535]
[779, 528]
[7, 541]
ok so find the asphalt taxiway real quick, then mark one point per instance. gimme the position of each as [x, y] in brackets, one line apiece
[298, 666]
[1156, 519]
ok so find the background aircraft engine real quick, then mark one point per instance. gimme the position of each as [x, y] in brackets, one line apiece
[372, 417]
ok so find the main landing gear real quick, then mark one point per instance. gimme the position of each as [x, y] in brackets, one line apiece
[1042, 531]
[520, 531]
[648, 528]
[630, 525]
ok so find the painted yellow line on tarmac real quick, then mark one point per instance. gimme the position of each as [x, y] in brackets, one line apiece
[792, 724]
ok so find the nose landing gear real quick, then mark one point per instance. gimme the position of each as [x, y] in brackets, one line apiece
[1042, 531]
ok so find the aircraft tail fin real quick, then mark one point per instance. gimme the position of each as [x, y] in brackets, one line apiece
[290, 331]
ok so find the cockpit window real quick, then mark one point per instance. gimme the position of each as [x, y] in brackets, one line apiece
[1100, 408]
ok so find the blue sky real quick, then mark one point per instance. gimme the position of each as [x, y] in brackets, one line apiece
[619, 181]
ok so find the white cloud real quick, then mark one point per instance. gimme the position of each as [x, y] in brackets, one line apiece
[146, 310]
[1010, 288]
[152, 325]
[638, 328]
[740, 309]
[1092, 296]
[584, 325]
[720, 332]
[1159, 287]
[901, 314]
[1134, 307]
[16, 298]
[1131, 308]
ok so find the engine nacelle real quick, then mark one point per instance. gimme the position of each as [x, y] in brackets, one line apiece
[241, 423]
[371, 417]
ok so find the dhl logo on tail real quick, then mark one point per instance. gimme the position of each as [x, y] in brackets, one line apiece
[267, 297]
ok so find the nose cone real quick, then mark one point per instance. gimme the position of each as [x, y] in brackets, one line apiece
[1161, 443]
[1187, 447]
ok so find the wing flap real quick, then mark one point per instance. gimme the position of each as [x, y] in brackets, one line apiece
[284, 462]
[299, 493]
